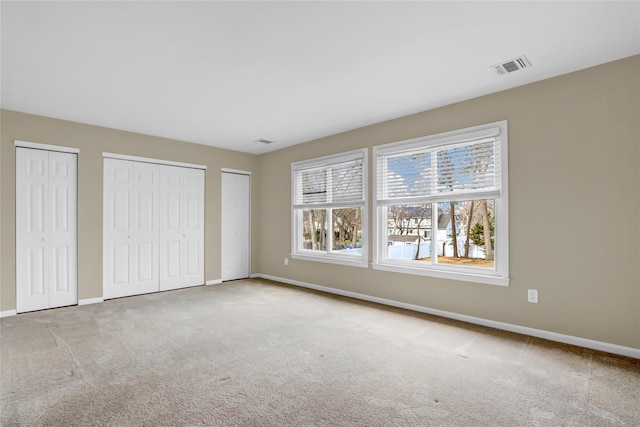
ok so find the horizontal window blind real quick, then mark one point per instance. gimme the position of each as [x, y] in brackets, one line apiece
[329, 185]
[453, 171]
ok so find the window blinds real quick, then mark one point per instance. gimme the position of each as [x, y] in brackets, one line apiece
[450, 171]
[329, 185]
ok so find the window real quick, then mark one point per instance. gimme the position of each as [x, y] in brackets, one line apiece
[329, 210]
[442, 205]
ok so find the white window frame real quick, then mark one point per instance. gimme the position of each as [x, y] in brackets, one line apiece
[499, 275]
[329, 256]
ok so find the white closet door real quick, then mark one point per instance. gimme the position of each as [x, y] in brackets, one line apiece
[63, 233]
[46, 229]
[235, 226]
[193, 227]
[181, 227]
[131, 227]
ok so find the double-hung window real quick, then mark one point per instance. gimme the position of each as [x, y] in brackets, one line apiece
[442, 205]
[329, 210]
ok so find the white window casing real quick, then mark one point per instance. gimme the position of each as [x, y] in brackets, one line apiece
[462, 165]
[327, 183]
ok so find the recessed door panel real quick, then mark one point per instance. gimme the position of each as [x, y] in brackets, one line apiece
[192, 215]
[174, 259]
[121, 267]
[60, 169]
[174, 212]
[145, 261]
[60, 267]
[145, 212]
[36, 166]
[145, 176]
[36, 207]
[60, 209]
[36, 272]
[173, 177]
[193, 257]
[120, 210]
[121, 171]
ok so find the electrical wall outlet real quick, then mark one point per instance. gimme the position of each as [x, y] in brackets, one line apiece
[286, 261]
[532, 296]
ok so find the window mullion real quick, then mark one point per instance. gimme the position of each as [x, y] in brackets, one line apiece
[330, 236]
[434, 233]
[434, 207]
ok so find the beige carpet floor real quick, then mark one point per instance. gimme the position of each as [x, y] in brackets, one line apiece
[257, 353]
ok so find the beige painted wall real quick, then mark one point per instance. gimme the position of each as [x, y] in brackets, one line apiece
[574, 150]
[92, 142]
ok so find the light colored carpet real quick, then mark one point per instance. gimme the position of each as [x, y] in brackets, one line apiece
[258, 353]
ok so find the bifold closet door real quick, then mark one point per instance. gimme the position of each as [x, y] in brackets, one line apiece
[46, 229]
[181, 227]
[236, 225]
[131, 227]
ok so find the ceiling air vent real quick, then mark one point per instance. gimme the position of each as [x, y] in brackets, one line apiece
[263, 141]
[512, 65]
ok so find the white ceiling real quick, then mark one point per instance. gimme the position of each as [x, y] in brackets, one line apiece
[228, 73]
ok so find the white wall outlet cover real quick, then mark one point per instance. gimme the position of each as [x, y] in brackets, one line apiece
[532, 296]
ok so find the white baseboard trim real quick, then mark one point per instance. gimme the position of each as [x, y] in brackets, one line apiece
[90, 301]
[8, 313]
[213, 282]
[538, 333]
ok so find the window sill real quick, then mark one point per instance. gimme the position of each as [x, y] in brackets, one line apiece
[331, 260]
[452, 275]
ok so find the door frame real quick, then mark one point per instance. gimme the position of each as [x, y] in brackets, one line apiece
[50, 148]
[236, 172]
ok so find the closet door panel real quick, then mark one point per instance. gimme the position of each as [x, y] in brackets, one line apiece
[192, 260]
[146, 189]
[131, 228]
[63, 233]
[46, 230]
[120, 268]
[32, 171]
[193, 231]
[182, 227]
[171, 224]
[117, 230]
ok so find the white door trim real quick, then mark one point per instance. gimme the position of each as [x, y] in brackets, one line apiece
[236, 171]
[48, 147]
[152, 160]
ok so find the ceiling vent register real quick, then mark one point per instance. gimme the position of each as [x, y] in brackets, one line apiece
[512, 65]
